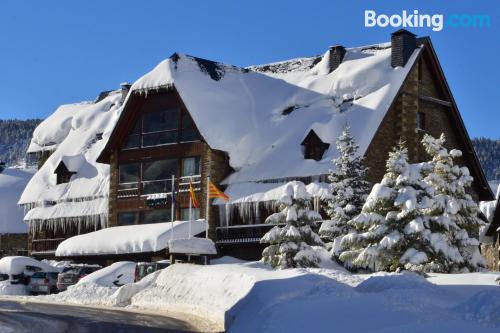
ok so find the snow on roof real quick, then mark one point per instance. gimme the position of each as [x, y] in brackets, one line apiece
[68, 210]
[79, 149]
[129, 239]
[12, 184]
[240, 111]
[53, 130]
[261, 192]
[192, 246]
[17, 265]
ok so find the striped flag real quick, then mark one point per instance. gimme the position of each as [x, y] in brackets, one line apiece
[194, 200]
[214, 192]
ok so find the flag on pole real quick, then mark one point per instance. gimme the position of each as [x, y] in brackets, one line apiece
[193, 196]
[214, 192]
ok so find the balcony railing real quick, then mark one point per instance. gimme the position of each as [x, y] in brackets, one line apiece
[48, 245]
[251, 233]
[129, 190]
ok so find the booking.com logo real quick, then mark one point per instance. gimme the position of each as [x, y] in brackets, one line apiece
[416, 20]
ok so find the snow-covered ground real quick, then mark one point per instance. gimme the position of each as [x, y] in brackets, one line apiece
[250, 297]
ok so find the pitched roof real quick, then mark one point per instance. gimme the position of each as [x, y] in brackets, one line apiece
[241, 110]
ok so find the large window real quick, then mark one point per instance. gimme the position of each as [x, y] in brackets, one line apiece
[127, 218]
[160, 128]
[157, 175]
[156, 216]
[190, 166]
[129, 174]
[151, 177]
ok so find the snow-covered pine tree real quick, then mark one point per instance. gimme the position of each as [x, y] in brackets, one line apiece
[291, 240]
[455, 219]
[390, 231]
[349, 189]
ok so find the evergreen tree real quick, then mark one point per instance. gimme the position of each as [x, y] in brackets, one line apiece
[389, 232]
[291, 245]
[455, 219]
[349, 190]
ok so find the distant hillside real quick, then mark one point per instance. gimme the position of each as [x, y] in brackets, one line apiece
[488, 151]
[15, 136]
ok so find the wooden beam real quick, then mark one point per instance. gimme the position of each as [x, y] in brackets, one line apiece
[435, 100]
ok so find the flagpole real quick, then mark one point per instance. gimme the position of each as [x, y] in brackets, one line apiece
[172, 208]
[190, 207]
[207, 212]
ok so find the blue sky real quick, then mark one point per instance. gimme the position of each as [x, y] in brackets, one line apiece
[53, 52]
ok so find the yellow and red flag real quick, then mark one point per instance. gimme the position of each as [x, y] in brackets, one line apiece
[194, 200]
[214, 192]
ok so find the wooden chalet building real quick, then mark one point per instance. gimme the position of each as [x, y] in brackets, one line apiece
[194, 118]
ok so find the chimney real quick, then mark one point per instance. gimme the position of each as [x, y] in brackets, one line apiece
[125, 88]
[403, 43]
[337, 53]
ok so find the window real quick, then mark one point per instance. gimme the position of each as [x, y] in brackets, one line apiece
[314, 147]
[157, 175]
[185, 214]
[127, 218]
[188, 131]
[190, 166]
[421, 121]
[129, 173]
[156, 216]
[160, 128]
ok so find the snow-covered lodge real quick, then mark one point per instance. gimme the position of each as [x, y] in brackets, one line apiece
[110, 162]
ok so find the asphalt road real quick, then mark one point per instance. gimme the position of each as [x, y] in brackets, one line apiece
[54, 318]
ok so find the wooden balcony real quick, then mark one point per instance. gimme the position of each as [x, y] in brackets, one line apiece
[45, 246]
[239, 234]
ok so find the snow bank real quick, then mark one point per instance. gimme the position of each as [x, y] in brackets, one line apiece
[17, 265]
[8, 289]
[192, 246]
[115, 275]
[129, 239]
[250, 297]
[12, 184]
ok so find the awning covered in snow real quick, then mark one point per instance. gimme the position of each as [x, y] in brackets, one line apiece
[200, 246]
[129, 239]
[261, 192]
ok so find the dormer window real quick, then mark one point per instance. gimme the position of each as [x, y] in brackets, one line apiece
[63, 174]
[314, 147]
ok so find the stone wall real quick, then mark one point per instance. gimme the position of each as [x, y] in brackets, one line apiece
[216, 164]
[13, 244]
[492, 254]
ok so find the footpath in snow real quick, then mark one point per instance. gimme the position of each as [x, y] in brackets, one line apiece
[251, 297]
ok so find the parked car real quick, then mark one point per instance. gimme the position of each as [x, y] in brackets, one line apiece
[143, 269]
[72, 274]
[43, 283]
[19, 270]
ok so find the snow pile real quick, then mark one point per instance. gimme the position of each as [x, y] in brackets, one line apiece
[116, 275]
[251, 297]
[8, 289]
[79, 133]
[247, 106]
[129, 239]
[12, 184]
[192, 246]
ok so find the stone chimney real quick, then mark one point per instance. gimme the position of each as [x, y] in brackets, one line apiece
[337, 53]
[125, 87]
[403, 43]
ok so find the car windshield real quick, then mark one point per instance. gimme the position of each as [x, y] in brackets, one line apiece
[39, 275]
